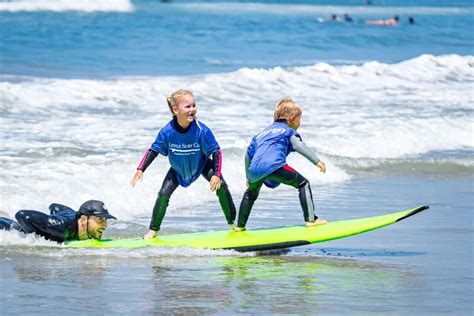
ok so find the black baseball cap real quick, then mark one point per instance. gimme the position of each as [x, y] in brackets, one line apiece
[95, 208]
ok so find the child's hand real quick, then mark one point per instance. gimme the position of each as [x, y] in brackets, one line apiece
[138, 176]
[322, 166]
[215, 183]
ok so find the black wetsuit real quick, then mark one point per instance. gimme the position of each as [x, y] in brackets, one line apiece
[170, 183]
[271, 146]
[285, 175]
[59, 226]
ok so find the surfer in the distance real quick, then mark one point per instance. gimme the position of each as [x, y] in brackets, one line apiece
[192, 151]
[265, 163]
[390, 22]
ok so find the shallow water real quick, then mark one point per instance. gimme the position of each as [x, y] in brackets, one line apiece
[422, 265]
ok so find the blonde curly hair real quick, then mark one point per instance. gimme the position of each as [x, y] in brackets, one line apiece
[287, 109]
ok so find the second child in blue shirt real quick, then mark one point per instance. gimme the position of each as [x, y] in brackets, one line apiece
[265, 163]
[189, 144]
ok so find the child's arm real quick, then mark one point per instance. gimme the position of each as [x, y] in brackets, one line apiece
[300, 147]
[147, 159]
[215, 181]
[250, 152]
[247, 166]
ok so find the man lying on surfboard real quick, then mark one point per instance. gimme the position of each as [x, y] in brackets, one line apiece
[265, 162]
[63, 223]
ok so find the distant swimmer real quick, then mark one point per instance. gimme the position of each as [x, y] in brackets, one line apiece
[63, 223]
[411, 20]
[335, 18]
[389, 22]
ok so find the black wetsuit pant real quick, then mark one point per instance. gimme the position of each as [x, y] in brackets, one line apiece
[9, 224]
[28, 222]
[170, 183]
[285, 175]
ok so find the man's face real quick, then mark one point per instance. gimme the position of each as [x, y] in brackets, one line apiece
[96, 226]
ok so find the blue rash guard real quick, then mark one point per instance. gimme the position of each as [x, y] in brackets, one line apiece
[187, 152]
[269, 149]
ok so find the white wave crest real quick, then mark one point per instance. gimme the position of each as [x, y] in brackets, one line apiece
[67, 133]
[67, 5]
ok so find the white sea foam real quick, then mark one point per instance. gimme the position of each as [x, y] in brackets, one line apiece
[15, 242]
[17, 239]
[67, 5]
[71, 140]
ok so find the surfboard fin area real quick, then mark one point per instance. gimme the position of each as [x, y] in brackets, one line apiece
[258, 239]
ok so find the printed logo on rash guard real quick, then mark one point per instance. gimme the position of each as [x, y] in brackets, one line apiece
[271, 131]
[184, 149]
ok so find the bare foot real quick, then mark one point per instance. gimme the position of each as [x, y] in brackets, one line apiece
[150, 234]
[239, 229]
[316, 222]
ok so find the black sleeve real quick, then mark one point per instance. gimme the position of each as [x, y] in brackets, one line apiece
[51, 228]
[147, 159]
[56, 208]
[217, 163]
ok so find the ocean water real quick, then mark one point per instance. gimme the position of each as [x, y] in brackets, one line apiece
[389, 109]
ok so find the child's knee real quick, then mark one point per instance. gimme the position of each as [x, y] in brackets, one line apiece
[302, 182]
[252, 194]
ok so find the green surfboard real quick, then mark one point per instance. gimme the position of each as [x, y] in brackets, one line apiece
[259, 239]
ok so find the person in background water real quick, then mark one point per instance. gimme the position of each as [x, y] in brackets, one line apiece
[389, 22]
[189, 144]
[63, 223]
[265, 163]
[411, 20]
[347, 18]
[334, 18]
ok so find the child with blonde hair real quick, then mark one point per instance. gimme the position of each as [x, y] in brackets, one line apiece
[265, 162]
[192, 151]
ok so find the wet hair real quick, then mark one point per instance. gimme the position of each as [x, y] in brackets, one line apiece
[396, 18]
[287, 109]
[173, 98]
